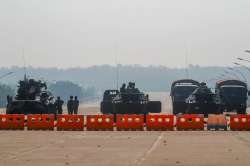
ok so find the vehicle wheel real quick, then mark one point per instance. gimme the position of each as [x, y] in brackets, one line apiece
[153, 107]
[175, 111]
[106, 107]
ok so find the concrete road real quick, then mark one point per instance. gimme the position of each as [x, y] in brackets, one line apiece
[55, 148]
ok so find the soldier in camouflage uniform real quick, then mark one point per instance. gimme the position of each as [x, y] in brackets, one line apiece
[59, 104]
[76, 105]
[70, 105]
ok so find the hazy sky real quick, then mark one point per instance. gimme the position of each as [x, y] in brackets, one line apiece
[72, 33]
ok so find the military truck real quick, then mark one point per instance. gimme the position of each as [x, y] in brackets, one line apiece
[32, 98]
[202, 101]
[180, 91]
[232, 96]
[129, 100]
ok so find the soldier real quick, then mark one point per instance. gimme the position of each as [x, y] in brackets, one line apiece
[123, 88]
[130, 85]
[59, 104]
[76, 105]
[8, 101]
[70, 105]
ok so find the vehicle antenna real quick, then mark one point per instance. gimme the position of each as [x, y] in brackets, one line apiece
[24, 65]
[186, 61]
[117, 67]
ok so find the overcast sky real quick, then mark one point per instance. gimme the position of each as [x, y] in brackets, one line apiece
[80, 33]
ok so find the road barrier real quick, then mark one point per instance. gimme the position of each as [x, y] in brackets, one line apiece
[123, 122]
[40, 122]
[160, 122]
[100, 122]
[239, 122]
[11, 122]
[190, 122]
[216, 122]
[129, 122]
[70, 122]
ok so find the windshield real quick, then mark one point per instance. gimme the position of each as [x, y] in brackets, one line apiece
[234, 91]
[184, 91]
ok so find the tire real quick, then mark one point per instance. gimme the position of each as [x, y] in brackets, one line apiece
[179, 107]
[154, 107]
[107, 107]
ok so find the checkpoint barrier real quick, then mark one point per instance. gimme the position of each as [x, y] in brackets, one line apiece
[160, 122]
[239, 122]
[40, 122]
[100, 122]
[70, 122]
[216, 122]
[129, 122]
[11, 122]
[190, 122]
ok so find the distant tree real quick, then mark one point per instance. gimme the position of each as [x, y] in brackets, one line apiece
[4, 91]
[64, 89]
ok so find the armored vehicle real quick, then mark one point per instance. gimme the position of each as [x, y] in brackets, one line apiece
[129, 100]
[180, 91]
[202, 101]
[232, 96]
[32, 98]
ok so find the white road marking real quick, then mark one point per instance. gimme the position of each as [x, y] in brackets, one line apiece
[150, 150]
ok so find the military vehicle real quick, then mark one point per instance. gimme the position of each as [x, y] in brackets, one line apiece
[180, 91]
[32, 98]
[202, 101]
[232, 96]
[129, 100]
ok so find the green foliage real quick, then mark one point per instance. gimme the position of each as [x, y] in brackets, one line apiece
[4, 91]
[64, 89]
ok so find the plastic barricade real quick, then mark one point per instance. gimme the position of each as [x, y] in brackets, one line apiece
[129, 122]
[160, 122]
[40, 122]
[70, 122]
[100, 122]
[239, 122]
[11, 122]
[190, 122]
[216, 122]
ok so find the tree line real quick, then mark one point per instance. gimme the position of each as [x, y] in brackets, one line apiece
[150, 78]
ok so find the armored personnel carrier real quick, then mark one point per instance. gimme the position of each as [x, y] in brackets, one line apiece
[32, 98]
[180, 91]
[232, 96]
[202, 101]
[129, 100]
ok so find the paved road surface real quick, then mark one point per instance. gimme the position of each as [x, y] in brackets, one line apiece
[52, 148]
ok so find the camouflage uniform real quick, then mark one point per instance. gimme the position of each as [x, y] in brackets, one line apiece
[76, 105]
[70, 105]
[59, 104]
